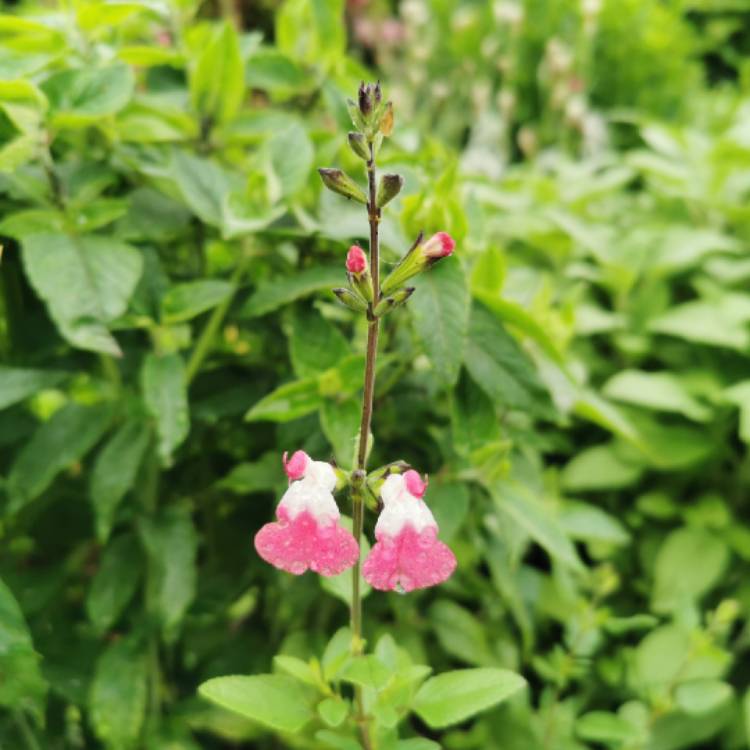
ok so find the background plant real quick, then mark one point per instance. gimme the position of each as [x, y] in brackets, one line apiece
[583, 421]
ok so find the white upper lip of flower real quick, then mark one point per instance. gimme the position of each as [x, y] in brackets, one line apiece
[401, 508]
[313, 493]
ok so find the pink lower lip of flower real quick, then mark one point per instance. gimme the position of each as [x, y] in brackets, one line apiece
[303, 543]
[296, 465]
[356, 260]
[408, 561]
[415, 485]
[439, 245]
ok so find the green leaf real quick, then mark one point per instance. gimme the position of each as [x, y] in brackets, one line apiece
[660, 391]
[18, 383]
[340, 421]
[85, 282]
[294, 667]
[283, 290]
[64, 439]
[689, 563]
[739, 395]
[460, 633]
[702, 696]
[217, 80]
[453, 697]
[600, 467]
[258, 476]
[440, 311]
[337, 653]
[536, 521]
[273, 71]
[333, 711]
[165, 394]
[185, 301]
[82, 97]
[22, 687]
[115, 471]
[203, 185]
[449, 504]
[366, 671]
[275, 701]
[315, 344]
[117, 699]
[291, 155]
[499, 366]
[601, 726]
[171, 542]
[592, 524]
[114, 583]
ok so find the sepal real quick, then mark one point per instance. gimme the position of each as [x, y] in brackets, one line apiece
[340, 182]
[351, 300]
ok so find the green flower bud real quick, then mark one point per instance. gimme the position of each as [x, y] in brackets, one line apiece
[351, 300]
[341, 183]
[358, 144]
[389, 187]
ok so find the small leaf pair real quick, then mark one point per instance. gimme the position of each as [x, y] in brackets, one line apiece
[308, 534]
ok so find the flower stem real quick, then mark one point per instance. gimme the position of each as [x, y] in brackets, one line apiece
[373, 214]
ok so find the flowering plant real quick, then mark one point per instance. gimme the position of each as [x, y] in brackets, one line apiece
[349, 694]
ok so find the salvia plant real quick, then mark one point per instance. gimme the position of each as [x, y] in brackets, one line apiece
[350, 697]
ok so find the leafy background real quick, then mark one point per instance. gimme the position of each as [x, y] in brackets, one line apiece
[576, 380]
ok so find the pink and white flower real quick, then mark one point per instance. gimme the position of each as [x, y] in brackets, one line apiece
[308, 534]
[407, 554]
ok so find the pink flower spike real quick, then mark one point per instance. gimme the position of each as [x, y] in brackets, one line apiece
[415, 485]
[356, 260]
[296, 465]
[407, 555]
[438, 246]
[307, 534]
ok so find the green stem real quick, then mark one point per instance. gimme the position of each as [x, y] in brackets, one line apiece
[206, 341]
[25, 730]
[373, 214]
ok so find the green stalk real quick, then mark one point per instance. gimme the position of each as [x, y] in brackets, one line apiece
[373, 214]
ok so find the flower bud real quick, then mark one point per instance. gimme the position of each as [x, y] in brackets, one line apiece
[393, 301]
[438, 246]
[358, 144]
[386, 121]
[340, 182]
[351, 300]
[422, 255]
[359, 272]
[389, 187]
[365, 99]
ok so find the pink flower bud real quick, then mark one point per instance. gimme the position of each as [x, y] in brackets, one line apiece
[415, 485]
[438, 246]
[296, 465]
[356, 260]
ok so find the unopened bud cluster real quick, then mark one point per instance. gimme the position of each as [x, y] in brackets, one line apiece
[372, 117]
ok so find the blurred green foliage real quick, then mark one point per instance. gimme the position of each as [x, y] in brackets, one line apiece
[584, 412]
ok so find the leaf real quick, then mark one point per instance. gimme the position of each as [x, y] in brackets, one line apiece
[291, 154]
[185, 301]
[315, 344]
[453, 697]
[115, 582]
[271, 70]
[499, 366]
[217, 80]
[165, 394]
[440, 311]
[449, 504]
[536, 521]
[115, 471]
[258, 476]
[85, 282]
[333, 711]
[702, 696]
[81, 97]
[689, 563]
[300, 670]
[473, 418]
[600, 467]
[64, 439]
[660, 391]
[18, 383]
[281, 291]
[171, 542]
[340, 421]
[277, 702]
[22, 686]
[592, 524]
[203, 185]
[601, 726]
[460, 633]
[366, 671]
[117, 699]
